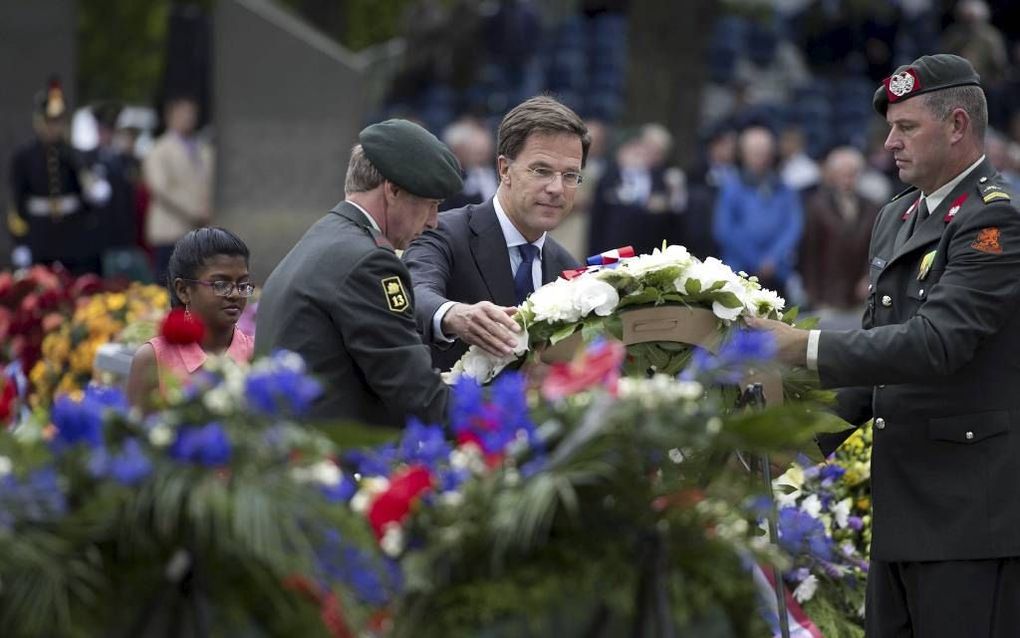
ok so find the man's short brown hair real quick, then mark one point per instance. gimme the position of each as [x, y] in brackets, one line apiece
[540, 114]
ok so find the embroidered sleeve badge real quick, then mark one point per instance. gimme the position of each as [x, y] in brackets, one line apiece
[988, 241]
[396, 297]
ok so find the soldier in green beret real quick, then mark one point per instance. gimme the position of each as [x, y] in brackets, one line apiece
[935, 368]
[343, 300]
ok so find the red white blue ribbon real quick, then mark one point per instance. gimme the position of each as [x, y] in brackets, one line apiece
[609, 259]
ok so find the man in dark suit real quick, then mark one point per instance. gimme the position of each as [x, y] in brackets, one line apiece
[482, 261]
[343, 300]
[935, 366]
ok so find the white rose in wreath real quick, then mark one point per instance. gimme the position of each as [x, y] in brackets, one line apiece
[592, 294]
[554, 302]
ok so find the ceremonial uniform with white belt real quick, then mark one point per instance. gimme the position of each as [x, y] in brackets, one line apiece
[49, 200]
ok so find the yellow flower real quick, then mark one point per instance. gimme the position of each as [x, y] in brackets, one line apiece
[115, 301]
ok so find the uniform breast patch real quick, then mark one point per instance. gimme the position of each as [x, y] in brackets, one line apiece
[396, 296]
[987, 241]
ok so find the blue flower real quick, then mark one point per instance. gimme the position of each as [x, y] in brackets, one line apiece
[82, 421]
[130, 466]
[280, 386]
[36, 498]
[424, 444]
[373, 581]
[208, 445]
[800, 533]
[743, 348]
[374, 462]
[342, 492]
[831, 472]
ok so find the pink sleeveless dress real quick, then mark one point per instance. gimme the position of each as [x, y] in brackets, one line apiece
[183, 361]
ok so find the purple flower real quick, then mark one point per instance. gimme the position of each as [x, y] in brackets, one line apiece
[130, 466]
[855, 523]
[207, 445]
[831, 472]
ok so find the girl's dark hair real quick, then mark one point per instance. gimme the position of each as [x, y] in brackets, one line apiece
[192, 251]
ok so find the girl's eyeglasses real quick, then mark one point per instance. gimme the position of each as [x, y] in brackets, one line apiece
[223, 288]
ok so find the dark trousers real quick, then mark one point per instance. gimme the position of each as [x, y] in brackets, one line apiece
[946, 599]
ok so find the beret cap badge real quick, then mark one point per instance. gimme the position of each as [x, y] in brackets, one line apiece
[902, 83]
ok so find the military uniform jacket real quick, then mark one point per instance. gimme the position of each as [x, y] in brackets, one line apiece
[48, 196]
[937, 367]
[465, 259]
[343, 300]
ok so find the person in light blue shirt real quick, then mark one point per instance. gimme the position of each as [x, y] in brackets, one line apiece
[758, 219]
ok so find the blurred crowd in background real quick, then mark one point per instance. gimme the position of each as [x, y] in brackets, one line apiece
[791, 169]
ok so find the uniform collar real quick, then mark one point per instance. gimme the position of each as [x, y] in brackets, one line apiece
[937, 196]
[513, 236]
[371, 220]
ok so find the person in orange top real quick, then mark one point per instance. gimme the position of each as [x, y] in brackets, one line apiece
[208, 277]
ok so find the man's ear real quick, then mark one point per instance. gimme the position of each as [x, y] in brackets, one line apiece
[961, 124]
[503, 166]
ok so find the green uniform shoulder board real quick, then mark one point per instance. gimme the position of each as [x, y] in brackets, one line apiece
[993, 192]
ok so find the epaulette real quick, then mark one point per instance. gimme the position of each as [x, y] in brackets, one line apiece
[902, 193]
[992, 191]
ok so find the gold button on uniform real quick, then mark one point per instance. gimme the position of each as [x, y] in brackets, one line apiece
[879, 423]
[886, 300]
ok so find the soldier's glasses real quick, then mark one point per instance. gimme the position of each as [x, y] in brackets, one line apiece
[223, 288]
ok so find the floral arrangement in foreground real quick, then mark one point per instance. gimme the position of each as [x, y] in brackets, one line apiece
[614, 489]
[611, 488]
[591, 300]
[111, 523]
[825, 515]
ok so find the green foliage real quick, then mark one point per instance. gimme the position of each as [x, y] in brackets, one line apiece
[121, 49]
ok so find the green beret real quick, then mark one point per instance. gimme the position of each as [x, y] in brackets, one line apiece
[412, 158]
[924, 75]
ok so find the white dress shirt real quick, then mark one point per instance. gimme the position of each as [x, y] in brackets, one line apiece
[513, 238]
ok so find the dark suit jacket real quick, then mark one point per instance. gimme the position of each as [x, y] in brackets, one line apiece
[343, 300]
[937, 367]
[465, 259]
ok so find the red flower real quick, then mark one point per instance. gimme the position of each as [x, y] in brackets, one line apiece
[329, 605]
[393, 505]
[181, 327]
[7, 395]
[598, 365]
[86, 285]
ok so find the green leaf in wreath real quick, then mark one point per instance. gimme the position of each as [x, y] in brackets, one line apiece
[693, 287]
[562, 333]
[727, 299]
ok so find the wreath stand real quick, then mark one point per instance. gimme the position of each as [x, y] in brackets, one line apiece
[699, 327]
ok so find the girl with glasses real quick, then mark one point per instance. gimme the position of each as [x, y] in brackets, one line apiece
[208, 277]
